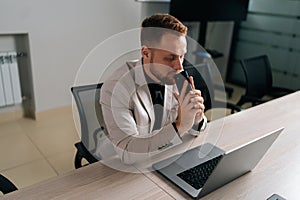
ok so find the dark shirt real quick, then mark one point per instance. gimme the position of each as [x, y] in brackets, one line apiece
[157, 91]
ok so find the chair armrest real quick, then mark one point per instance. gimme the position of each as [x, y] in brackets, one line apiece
[95, 133]
[250, 99]
[233, 107]
[279, 91]
[85, 153]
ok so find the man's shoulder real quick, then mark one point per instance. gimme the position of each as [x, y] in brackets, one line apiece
[122, 75]
[133, 63]
[124, 69]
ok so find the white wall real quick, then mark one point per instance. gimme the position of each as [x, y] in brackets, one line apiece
[149, 8]
[61, 33]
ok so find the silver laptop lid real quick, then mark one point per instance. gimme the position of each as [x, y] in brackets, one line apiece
[232, 165]
[239, 161]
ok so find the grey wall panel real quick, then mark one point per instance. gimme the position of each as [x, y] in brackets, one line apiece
[294, 61]
[278, 24]
[273, 28]
[279, 58]
[272, 39]
[284, 7]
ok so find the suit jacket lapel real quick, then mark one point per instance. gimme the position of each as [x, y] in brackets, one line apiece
[144, 96]
[143, 92]
[169, 104]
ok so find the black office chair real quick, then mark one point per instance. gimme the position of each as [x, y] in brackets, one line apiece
[259, 83]
[203, 81]
[6, 186]
[87, 101]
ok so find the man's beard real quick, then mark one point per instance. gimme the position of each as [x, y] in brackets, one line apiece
[167, 79]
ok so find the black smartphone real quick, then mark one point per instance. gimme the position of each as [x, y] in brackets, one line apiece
[180, 78]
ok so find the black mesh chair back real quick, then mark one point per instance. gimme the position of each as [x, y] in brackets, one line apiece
[259, 81]
[89, 109]
[6, 186]
[203, 82]
[258, 75]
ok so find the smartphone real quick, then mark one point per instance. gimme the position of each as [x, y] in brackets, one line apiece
[180, 78]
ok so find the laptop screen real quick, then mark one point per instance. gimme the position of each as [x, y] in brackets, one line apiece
[198, 174]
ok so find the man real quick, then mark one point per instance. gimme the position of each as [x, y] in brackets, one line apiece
[143, 111]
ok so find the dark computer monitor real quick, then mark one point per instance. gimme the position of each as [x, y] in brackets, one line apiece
[209, 10]
[205, 11]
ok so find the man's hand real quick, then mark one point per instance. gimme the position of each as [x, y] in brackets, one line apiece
[200, 114]
[191, 108]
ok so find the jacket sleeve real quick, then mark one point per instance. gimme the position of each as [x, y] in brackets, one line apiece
[201, 127]
[123, 130]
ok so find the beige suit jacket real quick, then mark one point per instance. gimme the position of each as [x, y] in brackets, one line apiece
[129, 115]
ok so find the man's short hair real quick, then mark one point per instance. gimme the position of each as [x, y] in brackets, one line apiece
[155, 26]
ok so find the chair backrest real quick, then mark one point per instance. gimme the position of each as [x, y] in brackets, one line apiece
[203, 82]
[89, 109]
[258, 75]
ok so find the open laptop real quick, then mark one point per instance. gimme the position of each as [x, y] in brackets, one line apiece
[203, 169]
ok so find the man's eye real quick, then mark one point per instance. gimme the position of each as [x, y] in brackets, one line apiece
[171, 58]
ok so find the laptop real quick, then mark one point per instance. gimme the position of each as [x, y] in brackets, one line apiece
[205, 168]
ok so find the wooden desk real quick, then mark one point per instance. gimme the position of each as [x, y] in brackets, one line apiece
[94, 181]
[278, 172]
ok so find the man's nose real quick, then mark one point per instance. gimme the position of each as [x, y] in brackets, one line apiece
[178, 65]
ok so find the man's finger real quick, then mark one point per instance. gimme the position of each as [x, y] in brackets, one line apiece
[192, 82]
[183, 90]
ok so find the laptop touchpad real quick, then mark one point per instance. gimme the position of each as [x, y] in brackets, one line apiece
[191, 159]
[198, 155]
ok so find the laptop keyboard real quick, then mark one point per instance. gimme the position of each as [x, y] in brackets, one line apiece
[198, 175]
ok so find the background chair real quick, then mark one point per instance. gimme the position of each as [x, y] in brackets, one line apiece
[87, 101]
[6, 186]
[259, 83]
[203, 81]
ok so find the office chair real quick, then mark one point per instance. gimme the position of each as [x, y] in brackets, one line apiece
[87, 101]
[6, 186]
[203, 82]
[259, 83]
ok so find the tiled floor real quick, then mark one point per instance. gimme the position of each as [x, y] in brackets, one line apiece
[35, 150]
[32, 151]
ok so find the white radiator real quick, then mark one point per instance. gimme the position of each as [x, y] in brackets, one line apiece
[10, 90]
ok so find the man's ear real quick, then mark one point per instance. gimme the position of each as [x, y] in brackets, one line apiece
[145, 52]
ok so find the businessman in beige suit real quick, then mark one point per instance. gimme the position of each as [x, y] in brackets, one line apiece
[143, 111]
